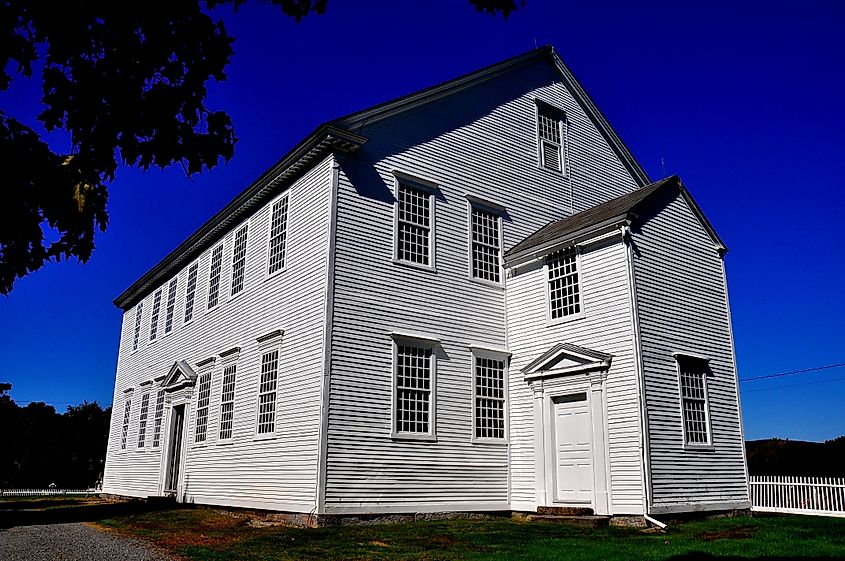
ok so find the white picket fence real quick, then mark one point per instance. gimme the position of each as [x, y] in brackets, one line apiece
[819, 496]
[45, 492]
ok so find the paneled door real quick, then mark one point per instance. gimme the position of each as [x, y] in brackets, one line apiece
[573, 450]
[174, 458]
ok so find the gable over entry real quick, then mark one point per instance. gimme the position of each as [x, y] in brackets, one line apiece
[570, 430]
[181, 375]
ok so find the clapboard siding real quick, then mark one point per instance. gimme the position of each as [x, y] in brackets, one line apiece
[605, 327]
[481, 141]
[682, 308]
[278, 473]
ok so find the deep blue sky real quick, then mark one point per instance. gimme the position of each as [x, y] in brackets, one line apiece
[743, 100]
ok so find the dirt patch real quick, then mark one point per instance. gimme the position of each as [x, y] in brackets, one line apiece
[740, 533]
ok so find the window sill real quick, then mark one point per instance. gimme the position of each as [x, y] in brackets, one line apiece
[209, 311]
[556, 173]
[274, 274]
[699, 447]
[238, 295]
[152, 342]
[187, 323]
[412, 265]
[487, 283]
[566, 319]
[413, 437]
[263, 437]
[497, 442]
[224, 442]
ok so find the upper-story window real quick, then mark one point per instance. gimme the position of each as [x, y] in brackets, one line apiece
[142, 420]
[139, 309]
[564, 285]
[550, 136]
[171, 305]
[486, 244]
[190, 292]
[214, 276]
[694, 406]
[239, 260]
[278, 235]
[154, 316]
[203, 398]
[414, 241]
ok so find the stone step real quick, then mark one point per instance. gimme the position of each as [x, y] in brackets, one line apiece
[565, 510]
[577, 521]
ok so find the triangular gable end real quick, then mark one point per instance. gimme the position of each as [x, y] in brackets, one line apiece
[566, 358]
[181, 374]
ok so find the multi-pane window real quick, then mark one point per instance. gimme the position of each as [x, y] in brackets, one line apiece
[203, 397]
[278, 235]
[694, 400]
[489, 398]
[267, 392]
[414, 235]
[239, 260]
[549, 131]
[413, 389]
[171, 305]
[138, 310]
[190, 292]
[157, 419]
[485, 245]
[124, 432]
[142, 421]
[154, 316]
[214, 276]
[227, 402]
[564, 288]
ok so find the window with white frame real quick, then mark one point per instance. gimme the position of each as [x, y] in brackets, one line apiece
[239, 260]
[124, 432]
[154, 316]
[214, 276]
[549, 130]
[267, 392]
[414, 385]
[227, 402]
[278, 235]
[414, 225]
[171, 305]
[158, 418]
[142, 420]
[485, 245]
[564, 286]
[203, 398]
[489, 398]
[190, 292]
[138, 311]
[694, 406]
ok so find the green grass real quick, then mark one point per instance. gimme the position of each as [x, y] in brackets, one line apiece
[212, 535]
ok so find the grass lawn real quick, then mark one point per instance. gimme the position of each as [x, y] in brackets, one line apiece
[209, 534]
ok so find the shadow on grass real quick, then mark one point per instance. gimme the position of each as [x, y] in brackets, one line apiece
[59, 512]
[700, 556]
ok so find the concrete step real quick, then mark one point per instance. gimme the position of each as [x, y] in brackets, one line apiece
[565, 510]
[577, 521]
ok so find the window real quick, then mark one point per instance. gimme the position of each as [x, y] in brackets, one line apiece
[124, 433]
[414, 383]
[171, 306]
[227, 402]
[138, 310]
[157, 419]
[485, 245]
[549, 131]
[239, 260]
[214, 276]
[414, 225]
[489, 398]
[564, 288]
[203, 397]
[142, 422]
[190, 292]
[154, 316]
[267, 392]
[278, 235]
[693, 373]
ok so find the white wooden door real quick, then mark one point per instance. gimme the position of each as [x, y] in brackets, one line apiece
[573, 450]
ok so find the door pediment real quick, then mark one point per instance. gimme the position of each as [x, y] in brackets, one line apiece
[566, 358]
[180, 375]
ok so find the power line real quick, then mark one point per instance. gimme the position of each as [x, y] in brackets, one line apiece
[795, 385]
[792, 372]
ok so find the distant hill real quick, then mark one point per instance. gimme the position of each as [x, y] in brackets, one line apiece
[776, 456]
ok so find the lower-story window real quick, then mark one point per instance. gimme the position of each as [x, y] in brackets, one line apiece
[489, 415]
[694, 405]
[267, 392]
[124, 433]
[227, 402]
[142, 421]
[203, 397]
[414, 378]
[157, 419]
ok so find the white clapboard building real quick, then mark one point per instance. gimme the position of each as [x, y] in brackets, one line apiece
[470, 298]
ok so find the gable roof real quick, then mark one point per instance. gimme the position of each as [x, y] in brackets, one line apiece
[566, 358]
[337, 135]
[609, 213]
